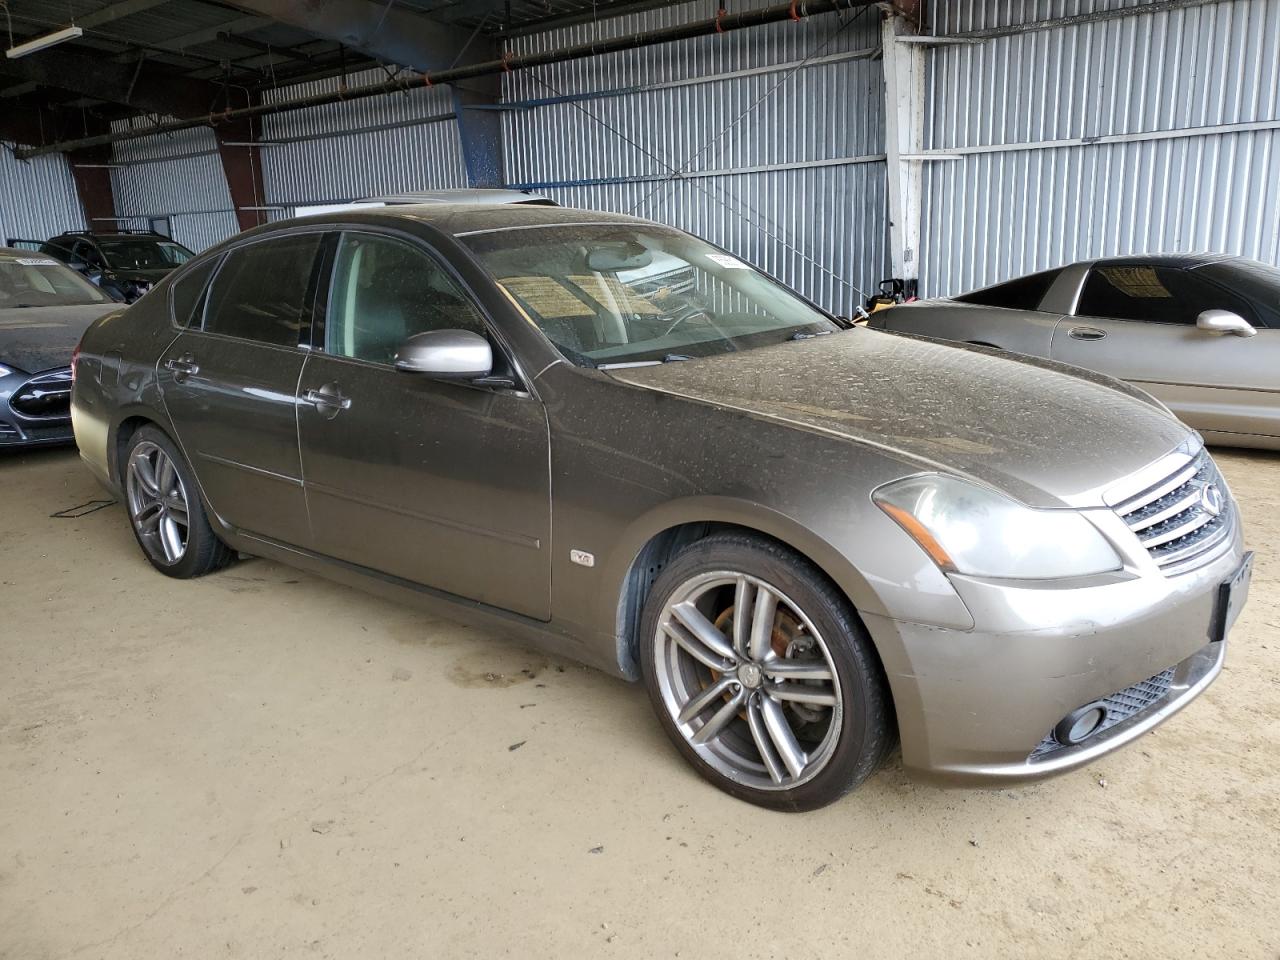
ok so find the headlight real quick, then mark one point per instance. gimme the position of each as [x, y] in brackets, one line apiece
[970, 529]
[5, 371]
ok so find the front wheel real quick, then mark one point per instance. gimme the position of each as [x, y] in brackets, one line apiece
[762, 674]
[165, 511]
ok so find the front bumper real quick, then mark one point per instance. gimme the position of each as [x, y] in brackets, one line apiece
[977, 706]
[21, 430]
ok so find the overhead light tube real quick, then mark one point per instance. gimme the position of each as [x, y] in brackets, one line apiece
[43, 43]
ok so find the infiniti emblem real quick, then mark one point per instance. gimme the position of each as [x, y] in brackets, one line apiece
[1211, 499]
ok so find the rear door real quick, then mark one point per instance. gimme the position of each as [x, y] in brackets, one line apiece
[230, 378]
[1138, 322]
[440, 483]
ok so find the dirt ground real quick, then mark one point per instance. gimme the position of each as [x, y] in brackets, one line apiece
[261, 763]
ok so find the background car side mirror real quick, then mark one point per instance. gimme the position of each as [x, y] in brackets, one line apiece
[446, 355]
[1224, 321]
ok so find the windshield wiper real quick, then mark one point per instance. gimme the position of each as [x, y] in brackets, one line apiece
[802, 335]
[675, 357]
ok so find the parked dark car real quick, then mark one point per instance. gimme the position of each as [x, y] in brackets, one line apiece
[44, 309]
[805, 539]
[126, 265]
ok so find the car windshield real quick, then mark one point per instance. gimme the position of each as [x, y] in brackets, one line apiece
[614, 294]
[144, 254]
[41, 281]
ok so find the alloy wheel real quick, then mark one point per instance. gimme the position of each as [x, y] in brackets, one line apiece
[748, 680]
[157, 503]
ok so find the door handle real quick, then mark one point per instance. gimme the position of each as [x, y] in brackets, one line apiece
[1086, 333]
[183, 367]
[328, 400]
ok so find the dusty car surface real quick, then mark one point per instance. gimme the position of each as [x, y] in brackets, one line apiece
[44, 310]
[1201, 332]
[806, 540]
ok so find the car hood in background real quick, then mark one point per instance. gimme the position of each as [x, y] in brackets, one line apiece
[1045, 436]
[142, 274]
[40, 338]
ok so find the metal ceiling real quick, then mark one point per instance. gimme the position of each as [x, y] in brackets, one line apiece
[221, 46]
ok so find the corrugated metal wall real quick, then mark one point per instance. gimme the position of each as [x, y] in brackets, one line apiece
[1158, 129]
[178, 175]
[1031, 188]
[344, 151]
[779, 162]
[38, 197]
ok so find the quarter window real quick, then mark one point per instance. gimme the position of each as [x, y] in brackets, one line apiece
[385, 291]
[261, 291]
[188, 290]
[1024, 293]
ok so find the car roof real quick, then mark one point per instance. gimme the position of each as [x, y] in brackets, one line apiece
[1183, 261]
[108, 235]
[462, 196]
[459, 219]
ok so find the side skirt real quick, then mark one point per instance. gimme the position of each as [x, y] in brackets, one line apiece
[558, 639]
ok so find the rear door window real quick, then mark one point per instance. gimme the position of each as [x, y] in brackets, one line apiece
[1024, 293]
[263, 291]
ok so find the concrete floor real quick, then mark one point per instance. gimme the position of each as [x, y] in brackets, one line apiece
[261, 763]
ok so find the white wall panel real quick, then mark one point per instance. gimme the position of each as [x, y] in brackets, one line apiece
[636, 117]
[38, 197]
[1161, 82]
[343, 159]
[177, 175]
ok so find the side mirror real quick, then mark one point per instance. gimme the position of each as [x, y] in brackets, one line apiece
[446, 355]
[1224, 321]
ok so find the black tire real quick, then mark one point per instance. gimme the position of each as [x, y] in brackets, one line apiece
[866, 733]
[204, 552]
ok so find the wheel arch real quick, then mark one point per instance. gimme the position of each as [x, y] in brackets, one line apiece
[128, 424]
[652, 542]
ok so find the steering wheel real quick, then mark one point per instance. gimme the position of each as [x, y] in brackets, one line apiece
[688, 313]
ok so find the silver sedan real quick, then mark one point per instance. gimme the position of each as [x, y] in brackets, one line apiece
[1200, 332]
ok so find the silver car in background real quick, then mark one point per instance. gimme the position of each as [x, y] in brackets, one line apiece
[1200, 332]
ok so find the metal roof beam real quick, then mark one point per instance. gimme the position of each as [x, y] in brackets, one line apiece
[399, 36]
[379, 30]
[137, 85]
[209, 34]
[115, 11]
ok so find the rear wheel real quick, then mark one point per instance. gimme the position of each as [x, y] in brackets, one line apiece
[762, 674]
[165, 511]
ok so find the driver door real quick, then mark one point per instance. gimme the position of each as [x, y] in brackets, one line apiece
[443, 484]
[1137, 322]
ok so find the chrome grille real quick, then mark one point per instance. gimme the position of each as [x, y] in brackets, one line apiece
[47, 396]
[1120, 706]
[1175, 520]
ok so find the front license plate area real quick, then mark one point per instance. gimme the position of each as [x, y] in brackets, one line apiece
[1231, 597]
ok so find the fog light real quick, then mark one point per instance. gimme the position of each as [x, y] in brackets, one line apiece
[1079, 725]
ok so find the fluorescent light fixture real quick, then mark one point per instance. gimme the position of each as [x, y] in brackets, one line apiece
[43, 43]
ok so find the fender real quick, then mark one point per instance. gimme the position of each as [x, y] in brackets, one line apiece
[611, 615]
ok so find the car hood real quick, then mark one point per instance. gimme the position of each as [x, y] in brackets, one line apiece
[1045, 434]
[142, 275]
[40, 338]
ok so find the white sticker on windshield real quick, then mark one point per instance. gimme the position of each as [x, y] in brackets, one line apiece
[728, 262]
[37, 262]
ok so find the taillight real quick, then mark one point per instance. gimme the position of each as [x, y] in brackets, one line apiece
[75, 360]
